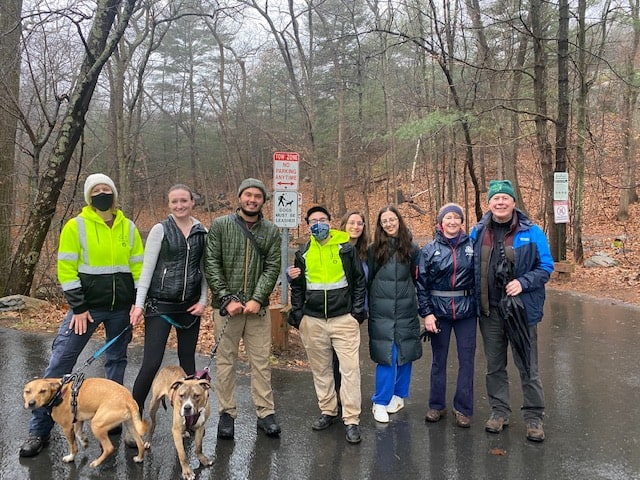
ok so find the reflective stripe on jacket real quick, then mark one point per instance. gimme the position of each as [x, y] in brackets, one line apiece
[446, 268]
[98, 266]
[320, 291]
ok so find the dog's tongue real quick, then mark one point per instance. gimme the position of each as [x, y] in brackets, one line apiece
[191, 420]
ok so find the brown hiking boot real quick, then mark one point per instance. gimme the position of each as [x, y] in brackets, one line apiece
[434, 415]
[535, 433]
[495, 424]
[462, 420]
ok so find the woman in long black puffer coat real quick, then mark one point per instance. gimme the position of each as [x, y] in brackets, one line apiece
[394, 327]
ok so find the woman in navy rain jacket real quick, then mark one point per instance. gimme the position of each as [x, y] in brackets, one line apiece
[445, 295]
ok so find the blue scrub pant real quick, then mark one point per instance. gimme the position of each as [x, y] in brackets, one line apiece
[392, 380]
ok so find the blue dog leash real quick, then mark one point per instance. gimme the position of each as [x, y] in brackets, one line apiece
[102, 349]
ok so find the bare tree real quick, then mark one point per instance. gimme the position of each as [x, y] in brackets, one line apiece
[100, 43]
[9, 92]
[628, 192]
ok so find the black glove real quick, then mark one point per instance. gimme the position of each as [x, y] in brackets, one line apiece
[427, 335]
[226, 300]
[294, 320]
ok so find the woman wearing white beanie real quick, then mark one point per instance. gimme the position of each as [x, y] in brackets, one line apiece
[99, 263]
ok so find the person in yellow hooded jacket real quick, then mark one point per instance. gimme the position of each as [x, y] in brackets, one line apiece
[327, 306]
[100, 258]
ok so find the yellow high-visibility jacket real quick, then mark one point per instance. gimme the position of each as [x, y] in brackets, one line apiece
[98, 266]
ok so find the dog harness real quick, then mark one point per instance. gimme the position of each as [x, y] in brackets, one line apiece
[77, 379]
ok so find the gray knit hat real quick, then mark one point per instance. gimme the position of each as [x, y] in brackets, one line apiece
[253, 182]
[97, 179]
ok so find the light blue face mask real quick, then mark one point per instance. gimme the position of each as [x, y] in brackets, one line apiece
[320, 231]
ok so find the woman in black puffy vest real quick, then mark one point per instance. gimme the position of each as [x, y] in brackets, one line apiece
[172, 291]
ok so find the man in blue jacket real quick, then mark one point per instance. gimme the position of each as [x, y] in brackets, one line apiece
[526, 245]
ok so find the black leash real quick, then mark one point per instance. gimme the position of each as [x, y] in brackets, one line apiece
[215, 347]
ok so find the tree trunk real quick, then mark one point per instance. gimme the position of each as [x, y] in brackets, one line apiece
[539, 34]
[99, 49]
[10, 30]
[559, 230]
[628, 194]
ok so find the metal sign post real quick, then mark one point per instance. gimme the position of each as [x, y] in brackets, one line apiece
[285, 206]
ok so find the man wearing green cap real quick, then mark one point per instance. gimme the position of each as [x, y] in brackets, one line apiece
[242, 265]
[507, 231]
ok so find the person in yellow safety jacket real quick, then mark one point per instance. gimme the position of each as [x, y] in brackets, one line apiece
[99, 263]
[327, 306]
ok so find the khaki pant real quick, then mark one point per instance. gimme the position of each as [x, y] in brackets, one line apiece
[255, 331]
[320, 338]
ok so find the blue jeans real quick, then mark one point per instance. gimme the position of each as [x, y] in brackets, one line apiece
[67, 347]
[392, 380]
[495, 348]
[465, 331]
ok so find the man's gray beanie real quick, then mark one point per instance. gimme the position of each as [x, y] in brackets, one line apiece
[253, 182]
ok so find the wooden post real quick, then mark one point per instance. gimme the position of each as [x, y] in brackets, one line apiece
[279, 326]
[564, 269]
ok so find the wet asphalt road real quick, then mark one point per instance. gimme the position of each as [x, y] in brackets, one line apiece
[589, 362]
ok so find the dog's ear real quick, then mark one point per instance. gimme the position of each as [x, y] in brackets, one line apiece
[176, 385]
[54, 384]
[205, 384]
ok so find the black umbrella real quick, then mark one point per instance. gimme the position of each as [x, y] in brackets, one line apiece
[513, 312]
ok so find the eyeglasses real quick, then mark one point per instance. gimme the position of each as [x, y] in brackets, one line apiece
[389, 221]
[314, 221]
[356, 223]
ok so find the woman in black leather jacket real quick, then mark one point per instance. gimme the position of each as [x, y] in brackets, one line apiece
[446, 302]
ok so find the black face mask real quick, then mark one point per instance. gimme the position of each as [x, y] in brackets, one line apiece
[102, 201]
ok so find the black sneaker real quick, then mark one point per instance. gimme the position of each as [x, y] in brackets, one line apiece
[33, 445]
[353, 434]
[269, 426]
[226, 427]
[324, 421]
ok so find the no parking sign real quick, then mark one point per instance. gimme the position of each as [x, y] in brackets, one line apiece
[561, 211]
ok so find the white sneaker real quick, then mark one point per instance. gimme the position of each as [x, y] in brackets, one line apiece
[380, 413]
[395, 405]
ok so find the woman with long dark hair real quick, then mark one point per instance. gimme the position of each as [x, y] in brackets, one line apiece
[394, 327]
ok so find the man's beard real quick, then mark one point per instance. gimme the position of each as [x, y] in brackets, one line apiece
[251, 214]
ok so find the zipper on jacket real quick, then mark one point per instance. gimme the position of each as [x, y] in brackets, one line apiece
[454, 254]
[186, 267]
[164, 275]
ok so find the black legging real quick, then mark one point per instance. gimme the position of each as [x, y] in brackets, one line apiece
[156, 333]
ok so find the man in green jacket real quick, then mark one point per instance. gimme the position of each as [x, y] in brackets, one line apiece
[242, 265]
[327, 305]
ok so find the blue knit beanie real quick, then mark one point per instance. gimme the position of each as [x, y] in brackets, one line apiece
[450, 208]
[500, 186]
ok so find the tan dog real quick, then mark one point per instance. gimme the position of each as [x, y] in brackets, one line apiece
[190, 400]
[105, 403]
